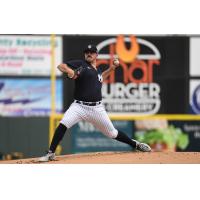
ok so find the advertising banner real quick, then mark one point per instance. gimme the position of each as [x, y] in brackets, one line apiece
[164, 135]
[194, 96]
[28, 55]
[86, 138]
[150, 74]
[192, 129]
[194, 56]
[133, 90]
[28, 97]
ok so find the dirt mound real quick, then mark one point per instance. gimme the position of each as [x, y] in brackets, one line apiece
[120, 158]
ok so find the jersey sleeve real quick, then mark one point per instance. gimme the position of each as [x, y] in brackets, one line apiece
[74, 64]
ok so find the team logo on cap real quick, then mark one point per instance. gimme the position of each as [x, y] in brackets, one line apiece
[89, 46]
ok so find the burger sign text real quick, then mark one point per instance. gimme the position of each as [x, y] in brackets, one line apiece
[130, 89]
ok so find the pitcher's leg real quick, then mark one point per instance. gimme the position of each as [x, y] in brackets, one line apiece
[101, 121]
[58, 136]
[122, 137]
[71, 117]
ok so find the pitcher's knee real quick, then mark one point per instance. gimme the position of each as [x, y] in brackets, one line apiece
[66, 123]
[112, 134]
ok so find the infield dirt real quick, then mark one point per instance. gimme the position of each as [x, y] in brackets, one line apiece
[119, 158]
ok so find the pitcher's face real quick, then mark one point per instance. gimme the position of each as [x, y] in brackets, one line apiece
[90, 56]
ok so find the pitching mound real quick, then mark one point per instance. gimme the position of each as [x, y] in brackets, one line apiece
[120, 158]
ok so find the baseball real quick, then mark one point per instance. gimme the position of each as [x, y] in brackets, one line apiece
[116, 62]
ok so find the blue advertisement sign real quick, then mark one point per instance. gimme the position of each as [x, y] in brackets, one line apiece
[28, 97]
[194, 96]
[86, 138]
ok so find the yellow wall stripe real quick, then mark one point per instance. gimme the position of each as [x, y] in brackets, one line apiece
[178, 117]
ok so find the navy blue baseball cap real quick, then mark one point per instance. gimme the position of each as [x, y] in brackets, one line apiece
[91, 48]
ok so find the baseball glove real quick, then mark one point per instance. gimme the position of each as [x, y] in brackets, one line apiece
[78, 71]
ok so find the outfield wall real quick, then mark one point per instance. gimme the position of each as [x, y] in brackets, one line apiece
[160, 77]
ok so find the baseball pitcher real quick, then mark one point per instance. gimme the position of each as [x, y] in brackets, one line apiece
[87, 103]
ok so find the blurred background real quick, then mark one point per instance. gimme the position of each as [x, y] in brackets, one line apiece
[154, 96]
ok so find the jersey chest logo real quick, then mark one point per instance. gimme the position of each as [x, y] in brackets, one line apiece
[100, 78]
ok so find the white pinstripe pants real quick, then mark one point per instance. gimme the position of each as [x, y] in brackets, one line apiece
[92, 114]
